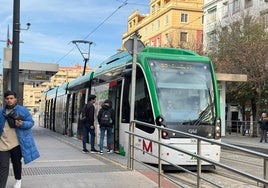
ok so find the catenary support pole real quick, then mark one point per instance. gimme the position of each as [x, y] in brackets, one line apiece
[15, 47]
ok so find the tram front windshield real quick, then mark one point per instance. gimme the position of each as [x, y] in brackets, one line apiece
[185, 91]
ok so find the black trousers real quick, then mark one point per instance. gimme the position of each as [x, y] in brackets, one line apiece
[5, 156]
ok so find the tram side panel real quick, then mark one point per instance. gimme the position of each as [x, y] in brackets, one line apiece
[60, 112]
[110, 90]
[42, 110]
[75, 102]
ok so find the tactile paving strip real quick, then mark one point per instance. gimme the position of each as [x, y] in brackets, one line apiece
[61, 170]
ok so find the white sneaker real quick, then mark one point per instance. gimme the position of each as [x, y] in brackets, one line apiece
[17, 184]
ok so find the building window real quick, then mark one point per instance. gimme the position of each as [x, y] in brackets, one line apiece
[212, 39]
[166, 19]
[183, 36]
[152, 27]
[166, 1]
[212, 14]
[158, 24]
[265, 18]
[225, 9]
[153, 8]
[184, 17]
[158, 42]
[236, 6]
[248, 3]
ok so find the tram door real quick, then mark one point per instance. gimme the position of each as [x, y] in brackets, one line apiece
[114, 95]
[112, 91]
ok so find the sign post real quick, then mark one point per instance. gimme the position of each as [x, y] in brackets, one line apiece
[134, 46]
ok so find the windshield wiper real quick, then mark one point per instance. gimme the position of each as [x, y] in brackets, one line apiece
[205, 115]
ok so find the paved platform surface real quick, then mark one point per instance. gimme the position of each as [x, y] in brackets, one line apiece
[246, 141]
[62, 164]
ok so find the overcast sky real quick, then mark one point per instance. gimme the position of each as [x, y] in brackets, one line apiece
[55, 23]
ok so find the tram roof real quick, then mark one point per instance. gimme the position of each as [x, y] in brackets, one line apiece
[110, 68]
[51, 93]
[62, 89]
[120, 58]
[174, 54]
[80, 82]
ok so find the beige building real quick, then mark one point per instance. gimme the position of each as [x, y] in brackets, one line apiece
[170, 23]
[33, 92]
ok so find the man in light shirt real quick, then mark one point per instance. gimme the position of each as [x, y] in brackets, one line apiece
[16, 139]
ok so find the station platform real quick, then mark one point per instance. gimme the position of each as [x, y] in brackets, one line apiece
[246, 141]
[62, 164]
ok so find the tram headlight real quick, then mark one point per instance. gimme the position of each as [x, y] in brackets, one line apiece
[164, 134]
[218, 129]
[159, 121]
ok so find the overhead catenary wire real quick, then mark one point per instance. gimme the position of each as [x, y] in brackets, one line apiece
[95, 29]
[124, 3]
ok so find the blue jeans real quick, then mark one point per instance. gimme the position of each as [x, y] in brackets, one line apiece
[86, 131]
[109, 137]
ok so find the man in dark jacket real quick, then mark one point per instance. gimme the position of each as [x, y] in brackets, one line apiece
[264, 127]
[106, 121]
[88, 125]
[16, 139]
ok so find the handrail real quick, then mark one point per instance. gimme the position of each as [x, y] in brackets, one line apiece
[200, 158]
[238, 126]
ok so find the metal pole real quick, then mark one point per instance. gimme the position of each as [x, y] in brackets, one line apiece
[133, 78]
[15, 47]
[85, 66]
[199, 167]
[132, 147]
[265, 171]
[159, 158]
[132, 101]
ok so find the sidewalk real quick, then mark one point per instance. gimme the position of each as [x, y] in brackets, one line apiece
[246, 142]
[62, 164]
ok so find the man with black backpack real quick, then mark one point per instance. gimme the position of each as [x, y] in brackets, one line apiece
[106, 121]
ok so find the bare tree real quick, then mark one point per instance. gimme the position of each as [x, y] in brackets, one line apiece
[242, 49]
[189, 42]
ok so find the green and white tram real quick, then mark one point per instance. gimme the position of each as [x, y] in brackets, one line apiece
[178, 85]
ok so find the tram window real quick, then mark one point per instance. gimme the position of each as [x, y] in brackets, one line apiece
[126, 102]
[143, 107]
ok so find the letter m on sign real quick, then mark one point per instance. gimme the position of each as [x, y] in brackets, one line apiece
[148, 148]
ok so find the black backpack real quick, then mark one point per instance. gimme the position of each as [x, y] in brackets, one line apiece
[106, 118]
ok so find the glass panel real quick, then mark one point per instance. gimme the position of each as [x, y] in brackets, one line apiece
[185, 91]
